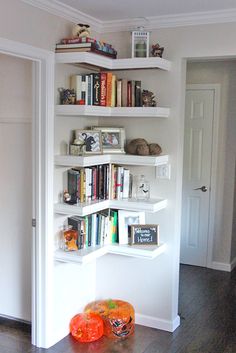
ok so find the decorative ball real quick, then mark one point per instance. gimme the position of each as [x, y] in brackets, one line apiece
[154, 149]
[137, 146]
[86, 327]
[118, 316]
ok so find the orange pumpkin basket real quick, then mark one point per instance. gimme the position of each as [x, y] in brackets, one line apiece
[118, 316]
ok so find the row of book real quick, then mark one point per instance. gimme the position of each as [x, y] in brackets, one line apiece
[105, 89]
[96, 229]
[86, 45]
[100, 182]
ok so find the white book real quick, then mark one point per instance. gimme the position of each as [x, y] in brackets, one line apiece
[88, 183]
[126, 183]
[94, 229]
[119, 185]
[75, 83]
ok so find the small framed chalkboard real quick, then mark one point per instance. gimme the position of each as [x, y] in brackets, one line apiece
[143, 234]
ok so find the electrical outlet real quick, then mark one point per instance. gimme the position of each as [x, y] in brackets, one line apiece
[163, 171]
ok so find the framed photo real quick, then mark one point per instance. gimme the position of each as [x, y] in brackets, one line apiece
[90, 140]
[113, 139]
[143, 234]
[126, 218]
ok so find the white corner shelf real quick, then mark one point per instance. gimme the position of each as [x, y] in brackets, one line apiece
[100, 61]
[84, 209]
[91, 110]
[124, 159]
[84, 256]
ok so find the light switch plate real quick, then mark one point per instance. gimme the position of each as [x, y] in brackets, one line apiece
[163, 171]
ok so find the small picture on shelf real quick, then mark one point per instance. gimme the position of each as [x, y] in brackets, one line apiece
[127, 218]
[143, 234]
[113, 139]
[91, 141]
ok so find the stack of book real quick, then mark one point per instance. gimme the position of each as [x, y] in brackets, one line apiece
[104, 89]
[100, 182]
[96, 229]
[69, 45]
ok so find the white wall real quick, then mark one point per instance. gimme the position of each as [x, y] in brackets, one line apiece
[15, 187]
[224, 73]
[196, 42]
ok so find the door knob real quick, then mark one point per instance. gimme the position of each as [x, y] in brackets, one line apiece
[202, 188]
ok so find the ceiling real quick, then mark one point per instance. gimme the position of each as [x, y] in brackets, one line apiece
[122, 15]
[107, 10]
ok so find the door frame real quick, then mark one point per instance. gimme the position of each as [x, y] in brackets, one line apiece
[213, 177]
[42, 165]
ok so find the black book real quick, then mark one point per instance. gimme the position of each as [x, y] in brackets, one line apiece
[76, 222]
[96, 88]
[73, 183]
[138, 94]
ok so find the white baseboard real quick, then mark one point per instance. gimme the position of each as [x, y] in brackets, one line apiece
[151, 321]
[233, 264]
[221, 266]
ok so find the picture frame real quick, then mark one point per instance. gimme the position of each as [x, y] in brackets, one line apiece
[113, 139]
[143, 234]
[126, 218]
[91, 141]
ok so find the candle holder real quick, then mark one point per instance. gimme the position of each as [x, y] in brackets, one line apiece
[140, 43]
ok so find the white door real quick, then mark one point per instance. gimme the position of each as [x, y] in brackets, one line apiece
[199, 114]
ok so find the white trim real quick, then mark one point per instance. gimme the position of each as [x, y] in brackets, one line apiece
[213, 177]
[42, 245]
[69, 13]
[151, 321]
[220, 266]
[150, 23]
[233, 264]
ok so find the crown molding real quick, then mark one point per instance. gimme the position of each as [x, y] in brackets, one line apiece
[57, 8]
[67, 12]
[180, 20]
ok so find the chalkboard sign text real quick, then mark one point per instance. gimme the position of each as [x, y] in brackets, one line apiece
[143, 234]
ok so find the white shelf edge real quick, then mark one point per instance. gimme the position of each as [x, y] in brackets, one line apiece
[125, 159]
[87, 255]
[112, 64]
[91, 110]
[151, 206]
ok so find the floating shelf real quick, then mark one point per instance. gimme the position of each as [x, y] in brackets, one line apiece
[100, 61]
[152, 205]
[84, 256]
[124, 159]
[91, 110]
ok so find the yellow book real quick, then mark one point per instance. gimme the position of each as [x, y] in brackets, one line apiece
[113, 91]
[109, 88]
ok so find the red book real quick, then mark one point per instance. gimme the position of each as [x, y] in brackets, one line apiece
[103, 98]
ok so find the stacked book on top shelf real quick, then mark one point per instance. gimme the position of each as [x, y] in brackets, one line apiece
[70, 45]
[105, 89]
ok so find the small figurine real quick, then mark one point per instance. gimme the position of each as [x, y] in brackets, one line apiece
[148, 99]
[67, 96]
[157, 50]
[81, 30]
[66, 196]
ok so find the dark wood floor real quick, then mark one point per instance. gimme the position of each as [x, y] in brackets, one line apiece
[208, 323]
